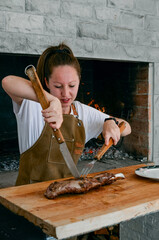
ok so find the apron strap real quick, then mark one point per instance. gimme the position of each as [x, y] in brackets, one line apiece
[74, 109]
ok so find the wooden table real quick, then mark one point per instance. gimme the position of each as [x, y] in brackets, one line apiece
[72, 215]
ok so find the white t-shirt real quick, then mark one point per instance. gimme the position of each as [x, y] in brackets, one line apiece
[30, 122]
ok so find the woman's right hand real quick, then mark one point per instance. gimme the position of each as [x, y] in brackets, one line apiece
[53, 114]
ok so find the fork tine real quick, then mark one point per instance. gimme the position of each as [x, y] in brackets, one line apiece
[84, 170]
[87, 169]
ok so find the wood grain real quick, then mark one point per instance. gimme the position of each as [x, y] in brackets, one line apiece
[71, 215]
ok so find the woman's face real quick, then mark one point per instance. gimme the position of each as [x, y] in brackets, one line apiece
[63, 84]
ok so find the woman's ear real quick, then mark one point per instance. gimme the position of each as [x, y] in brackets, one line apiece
[46, 82]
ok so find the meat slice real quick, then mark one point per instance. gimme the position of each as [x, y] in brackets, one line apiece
[81, 185]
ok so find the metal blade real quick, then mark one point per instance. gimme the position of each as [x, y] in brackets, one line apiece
[68, 159]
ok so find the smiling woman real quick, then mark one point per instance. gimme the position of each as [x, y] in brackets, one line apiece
[64, 84]
[40, 158]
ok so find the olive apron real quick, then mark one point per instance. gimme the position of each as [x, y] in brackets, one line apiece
[44, 161]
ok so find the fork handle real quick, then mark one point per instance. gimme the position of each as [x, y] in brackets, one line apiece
[104, 148]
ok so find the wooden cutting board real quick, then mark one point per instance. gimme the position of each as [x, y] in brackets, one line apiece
[71, 215]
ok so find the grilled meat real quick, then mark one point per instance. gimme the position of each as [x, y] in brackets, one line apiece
[81, 185]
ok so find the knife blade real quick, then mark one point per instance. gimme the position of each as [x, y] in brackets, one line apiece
[30, 71]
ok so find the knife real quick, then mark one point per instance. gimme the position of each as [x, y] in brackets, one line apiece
[30, 71]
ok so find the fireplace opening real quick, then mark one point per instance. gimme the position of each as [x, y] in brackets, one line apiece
[118, 88]
[121, 89]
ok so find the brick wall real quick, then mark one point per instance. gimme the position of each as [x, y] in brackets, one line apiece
[125, 30]
[138, 141]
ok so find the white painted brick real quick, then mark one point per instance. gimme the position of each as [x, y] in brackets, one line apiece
[13, 43]
[144, 37]
[120, 35]
[101, 3]
[107, 50]
[155, 36]
[2, 21]
[152, 54]
[92, 30]
[122, 4]
[157, 3]
[43, 7]
[109, 15]
[152, 23]
[49, 26]
[12, 5]
[131, 20]
[146, 5]
[59, 27]
[82, 47]
[135, 52]
[25, 23]
[38, 43]
[156, 78]
[71, 10]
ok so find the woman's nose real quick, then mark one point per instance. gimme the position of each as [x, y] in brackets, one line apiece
[64, 91]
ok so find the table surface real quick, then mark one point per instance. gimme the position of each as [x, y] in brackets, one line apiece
[74, 214]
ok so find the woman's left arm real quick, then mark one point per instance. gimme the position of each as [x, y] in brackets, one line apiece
[111, 130]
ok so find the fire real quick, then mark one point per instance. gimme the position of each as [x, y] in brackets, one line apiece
[91, 103]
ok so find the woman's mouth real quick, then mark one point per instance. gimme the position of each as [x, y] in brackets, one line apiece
[66, 100]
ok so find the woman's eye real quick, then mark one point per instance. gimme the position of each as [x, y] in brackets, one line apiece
[57, 86]
[71, 86]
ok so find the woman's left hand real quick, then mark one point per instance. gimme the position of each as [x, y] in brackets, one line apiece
[111, 130]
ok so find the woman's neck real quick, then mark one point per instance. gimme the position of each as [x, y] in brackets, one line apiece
[66, 110]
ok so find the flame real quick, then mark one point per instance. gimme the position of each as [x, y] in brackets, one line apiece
[91, 102]
[96, 106]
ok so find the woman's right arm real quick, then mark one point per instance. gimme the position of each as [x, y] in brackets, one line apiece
[19, 88]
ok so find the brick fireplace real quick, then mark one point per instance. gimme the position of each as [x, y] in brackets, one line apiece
[123, 32]
[106, 30]
[118, 88]
[121, 89]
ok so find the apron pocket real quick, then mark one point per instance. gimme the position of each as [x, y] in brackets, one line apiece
[55, 155]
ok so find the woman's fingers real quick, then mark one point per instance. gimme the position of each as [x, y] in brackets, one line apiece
[54, 121]
[53, 114]
[115, 138]
[111, 130]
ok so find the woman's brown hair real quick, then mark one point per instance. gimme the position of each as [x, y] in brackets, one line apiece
[55, 56]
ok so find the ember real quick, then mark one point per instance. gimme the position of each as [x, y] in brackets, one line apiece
[112, 153]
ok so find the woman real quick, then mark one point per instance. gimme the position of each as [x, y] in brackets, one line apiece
[59, 73]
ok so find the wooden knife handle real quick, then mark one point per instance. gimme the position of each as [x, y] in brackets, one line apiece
[31, 73]
[104, 148]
